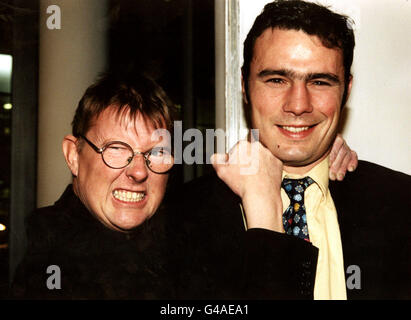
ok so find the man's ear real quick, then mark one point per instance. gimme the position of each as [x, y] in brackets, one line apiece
[71, 153]
[246, 105]
[349, 87]
[243, 90]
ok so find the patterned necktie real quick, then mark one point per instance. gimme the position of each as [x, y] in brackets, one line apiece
[295, 218]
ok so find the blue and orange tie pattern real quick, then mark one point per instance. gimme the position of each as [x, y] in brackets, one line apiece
[294, 217]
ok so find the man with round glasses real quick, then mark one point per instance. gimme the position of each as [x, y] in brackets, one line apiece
[102, 233]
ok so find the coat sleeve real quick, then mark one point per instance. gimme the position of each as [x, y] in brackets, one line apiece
[278, 266]
[221, 260]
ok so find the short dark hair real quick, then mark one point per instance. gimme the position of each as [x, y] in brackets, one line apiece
[138, 93]
[334, 30]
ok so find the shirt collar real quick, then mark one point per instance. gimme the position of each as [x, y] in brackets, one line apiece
[319, 174]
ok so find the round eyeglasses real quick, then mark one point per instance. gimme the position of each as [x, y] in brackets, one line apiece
[118, 155]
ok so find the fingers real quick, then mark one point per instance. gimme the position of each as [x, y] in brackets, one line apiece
[343, 167]
[236, 154]
[349, 163]
[229, 167]
[337, 145]
[337, 156]
[342, 159]
[219, 161]
[336, 165]
[353, 163]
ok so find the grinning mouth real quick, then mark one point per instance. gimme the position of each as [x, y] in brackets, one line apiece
[295, 129]
[128, 196]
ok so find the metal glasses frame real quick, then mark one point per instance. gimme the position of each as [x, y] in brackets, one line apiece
[144, 154]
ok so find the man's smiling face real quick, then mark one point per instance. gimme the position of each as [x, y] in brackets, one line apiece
[296, 87]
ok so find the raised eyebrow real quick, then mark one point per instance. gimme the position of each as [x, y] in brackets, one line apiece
[135, 150]
[107, 141]
[156, 145]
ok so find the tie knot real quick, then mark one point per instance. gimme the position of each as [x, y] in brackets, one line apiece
[295, 187]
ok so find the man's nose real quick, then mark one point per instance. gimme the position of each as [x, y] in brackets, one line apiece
[298, 100]
[137, 169]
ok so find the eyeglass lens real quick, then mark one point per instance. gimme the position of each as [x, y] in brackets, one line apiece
[118, 155]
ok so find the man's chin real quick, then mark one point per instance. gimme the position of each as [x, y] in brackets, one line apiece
[130, 225]
[126, 227]
[295, 159]
[126, 221]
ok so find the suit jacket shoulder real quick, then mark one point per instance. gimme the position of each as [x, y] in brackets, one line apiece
[373, 212]
[374, 182]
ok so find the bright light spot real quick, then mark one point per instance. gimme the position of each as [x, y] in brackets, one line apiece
[6, 62]
[2, 227]
[6, 65]
[7, 106]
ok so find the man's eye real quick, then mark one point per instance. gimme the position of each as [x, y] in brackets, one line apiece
[117, 148]
[321, 83]
[159, 152]
[276, 80]
[156, 152]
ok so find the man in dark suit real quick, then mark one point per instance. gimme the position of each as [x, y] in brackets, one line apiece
[274, 226]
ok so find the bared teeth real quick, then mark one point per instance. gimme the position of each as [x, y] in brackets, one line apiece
[128, 196]
[295, 129]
